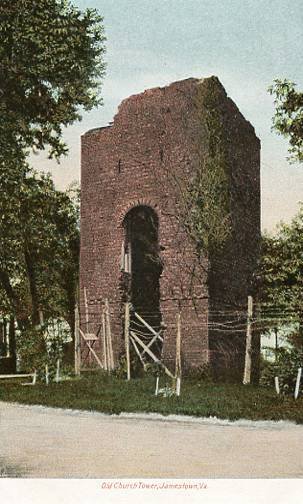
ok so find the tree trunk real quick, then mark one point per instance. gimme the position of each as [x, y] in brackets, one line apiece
[32, 286]
[12, 344]
[69, 353]
[14, 300]
[255, 357]
[9, 291]
[70, 287]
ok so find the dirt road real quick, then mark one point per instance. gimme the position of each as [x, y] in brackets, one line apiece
[45, 442]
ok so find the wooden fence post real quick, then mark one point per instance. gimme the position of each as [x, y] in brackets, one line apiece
[41, 318]
[276, 343]
[105, 350]
[77, 342]
[126, 336]
[178, 355]
[248, 349]
[7, 338]
[109, 337]
[86, 310]
[297, 388]
[57, 379]
[157, 385]
[46, 374]
[277, 386]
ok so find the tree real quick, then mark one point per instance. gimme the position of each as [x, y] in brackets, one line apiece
[288, 118]
[282, 274]
[51, 64]
[51, 68]
[39, 249]
[39, 257]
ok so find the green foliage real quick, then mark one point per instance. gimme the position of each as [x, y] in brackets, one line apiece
[206, 217]
[206, 212]
[39, 247]
[166, 391]
[51, 65]
[286, 365]
[203, 373]
[288, 118]
[121, 370]
[155, 369]
[136, 366]
[38, 346]
[51, 68]
[32, 350]
[281, 273]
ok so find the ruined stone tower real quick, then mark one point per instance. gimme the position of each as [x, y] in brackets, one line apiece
[133, 244]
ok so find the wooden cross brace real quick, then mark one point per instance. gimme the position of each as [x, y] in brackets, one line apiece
[87, 341]
[149, 352]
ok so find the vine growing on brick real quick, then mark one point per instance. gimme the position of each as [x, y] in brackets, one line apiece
[205, 211]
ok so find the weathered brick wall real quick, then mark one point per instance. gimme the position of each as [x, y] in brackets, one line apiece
[155, 142]
[232, 270]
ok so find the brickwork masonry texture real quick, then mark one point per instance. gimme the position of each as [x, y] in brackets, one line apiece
[156, 139]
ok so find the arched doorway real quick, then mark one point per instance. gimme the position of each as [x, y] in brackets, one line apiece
[142, 264]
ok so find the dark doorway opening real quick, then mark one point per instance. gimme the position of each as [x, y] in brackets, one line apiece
[142, 265]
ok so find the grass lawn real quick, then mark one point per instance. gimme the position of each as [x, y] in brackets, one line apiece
[100, 392]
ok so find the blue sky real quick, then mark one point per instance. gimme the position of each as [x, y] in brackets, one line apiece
[245, 43]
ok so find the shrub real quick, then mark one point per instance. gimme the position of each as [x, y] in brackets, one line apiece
[286, 365]
[39, 346]
[201, 373]
[32, 349]
[136, 367]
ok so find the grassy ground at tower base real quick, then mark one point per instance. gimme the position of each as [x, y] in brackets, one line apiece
[98, 391]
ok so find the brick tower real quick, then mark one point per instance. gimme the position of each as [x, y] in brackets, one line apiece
[132, 171]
